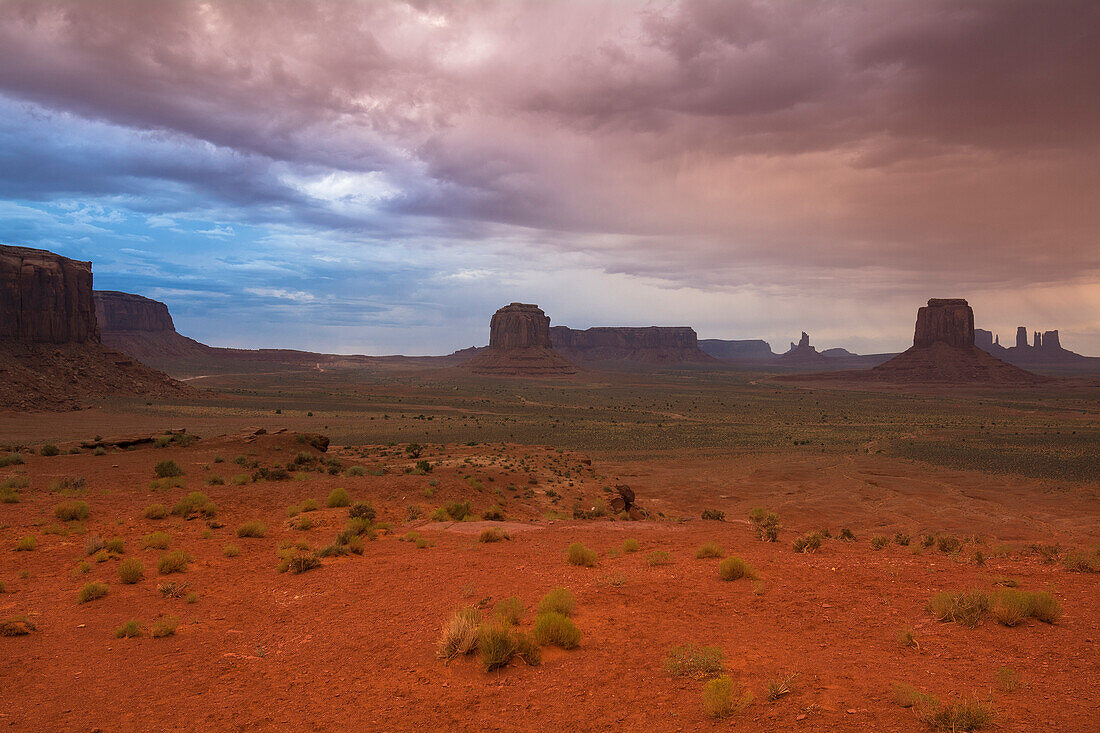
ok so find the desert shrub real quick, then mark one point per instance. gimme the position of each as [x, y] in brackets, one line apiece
[167, 469]
[493, 514]
[780, 686]
[527, 650]
[303, 523]
[879, 541]
[496, 645]
[658, 557]
[766, 524]
[69, 485]
[492, 534]
[164, 627]
[215, 481]
[966, 608]
[558, 600]
[457, 510]
[82, 568]
[16, 626]
[301, 562]
[309, 505]
[193, 503]
[69, 511]
[355, 471]
[439, 515]
[92, 591]
[1082, 562]
[117, 545]
[293, 510]
[8, 494]
[460, 634]
[363, 511]
[128, 630]
[723, 697]
[555, 629]
[847, 535]
[1013, 606]
[275, 473]
[130, 570]
[156, 541]
[156, 511]
[697, 662]
[254, 528]
[49, 449]
[338, 498]
[631, 546]
[1007, 679]
[710, 549]
[99, 451]
[578, 554]
[239, 479]
[808, 543]
[734, 568]
[173, 562]
[714, 514]
[26, 544]
[92, 545]
[966, 715]
[509, 610]
[907, 638]
[948, 544]
[901, 538]
[11, 459]
[231, 551]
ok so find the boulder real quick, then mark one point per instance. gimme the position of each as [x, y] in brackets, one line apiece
[45, 298]
[945, 320]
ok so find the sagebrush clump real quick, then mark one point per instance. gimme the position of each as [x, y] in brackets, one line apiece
[691, 660]
[578, 554]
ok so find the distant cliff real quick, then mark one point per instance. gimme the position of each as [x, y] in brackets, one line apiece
[650, 345]
[117, 311]
[733, 349]
[45, 298]
[1044, 354]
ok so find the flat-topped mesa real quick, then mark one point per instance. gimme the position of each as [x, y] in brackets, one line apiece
[945, 320]
[519, 326]
[45, 298]
[126, 312]
[649, 344]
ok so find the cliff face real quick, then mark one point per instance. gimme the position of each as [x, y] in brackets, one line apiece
[519, 345]
[45, 298]
[125, 312]
[949, 321]
[652, 344]
[736, 349]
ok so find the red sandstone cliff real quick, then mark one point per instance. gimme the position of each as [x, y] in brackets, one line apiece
[652, 344]
[519, 345]
[45, 298]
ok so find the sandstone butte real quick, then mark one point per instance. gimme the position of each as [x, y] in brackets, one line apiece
[519, 345]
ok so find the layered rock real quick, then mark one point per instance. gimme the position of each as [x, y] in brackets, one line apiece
[944, 320]
[519, 345]
[737, 349]
[45, 298]
[50, 351]
[652, 344]
[802, 353]
[125, 312]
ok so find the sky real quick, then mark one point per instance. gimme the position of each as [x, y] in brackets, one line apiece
[376, 177]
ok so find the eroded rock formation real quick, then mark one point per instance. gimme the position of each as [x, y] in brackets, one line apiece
[124, 312]
[519, 345]
[945, 320]
[45, 298]
[651, 344]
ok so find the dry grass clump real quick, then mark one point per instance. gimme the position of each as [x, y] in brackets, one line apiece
[907, 638]
[156, 511]
[710, 549]
[780, 686]
[496, 645]
[509, 610]
[16, 626]
[195, 503]
[254, 528]
[309, 505]
[492, 534]
[967, 608]
[965, 715]
[808, 543]
[300, 562]
[578, 554]
[1083, 561]
[167, 469]
[1007, 679]
[156, 541]
[231, 551]
[173, 562]
[697, 662]
[49, 450]
[723, 697]
[765, 523]
[338, 498]
[460, 634]
[493, 514]
[11, 459]
[555, 629]
[70, 511]
[26, 544]
[658, 557]
[715, 515]
[131, 570]
[880, 542]
[1012, 607]
[734, 568]
[558, 600]
[631, 545]
[164, 627]
[92, 591]
[129, 630]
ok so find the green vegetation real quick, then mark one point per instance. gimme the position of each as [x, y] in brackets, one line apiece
[765, 523]
[808, 543]
[631, 546]
[509, 610]
[697, 662]
[26, 544]
[92, 591]
[49, 449]
[492, 534]
[338, 498]
[734, 568]
[723, 697]
[1012, 607]
[70, 511]
[174, 562]
[156, 511]
[555, 629]
[965, 715]
[164, 627]
[129, 630]
[231, 551]
[11, 459]
[558, 600]
[714, 514]
[578, 554]
[254, 528]
[131, 570]
[967, 608]
[167, 469]
[658, 557]
[709, 549]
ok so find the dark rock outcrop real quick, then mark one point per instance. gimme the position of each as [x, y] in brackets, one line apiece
[519, 345]
[1045, 354]
[45, 298]
[949, 321]
[651, 345]
[737, 349]
[802, 353]
[125, 312]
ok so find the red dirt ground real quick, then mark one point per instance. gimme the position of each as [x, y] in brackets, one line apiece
[351, 645]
